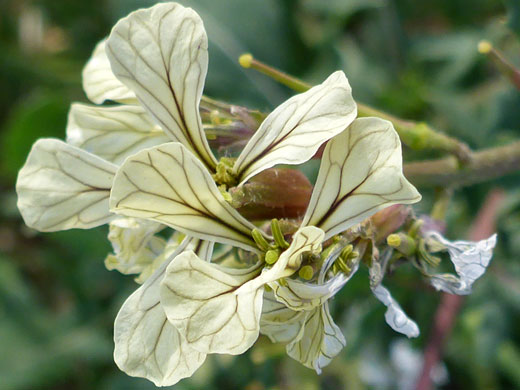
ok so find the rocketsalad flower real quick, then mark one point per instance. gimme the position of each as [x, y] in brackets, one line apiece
[190, 307]
[360, 173]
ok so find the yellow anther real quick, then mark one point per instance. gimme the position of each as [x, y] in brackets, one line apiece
[245, 60]
[271, 256]
[306, 272]
[393, 240]
[484, 47]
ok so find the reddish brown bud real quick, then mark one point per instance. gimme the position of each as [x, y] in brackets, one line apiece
[273, 193]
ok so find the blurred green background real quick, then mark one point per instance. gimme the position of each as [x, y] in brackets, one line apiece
[417, 60]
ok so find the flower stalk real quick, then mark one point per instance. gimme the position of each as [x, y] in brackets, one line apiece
[416, 135]
[503, 65]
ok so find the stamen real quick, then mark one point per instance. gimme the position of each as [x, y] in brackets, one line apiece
[272, 256]
[306, 272]
[279, 239]
[259, 239]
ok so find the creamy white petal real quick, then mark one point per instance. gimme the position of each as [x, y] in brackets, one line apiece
[168, 184]
[320, 341]
[294, 131]
[112, 133]
[62, 187]
[135, 245]
[201, 300]
[278, 322]
[360, 174]
[470, 259]
[146, 344]
[161, 53]
[99, 83]
[395, 316]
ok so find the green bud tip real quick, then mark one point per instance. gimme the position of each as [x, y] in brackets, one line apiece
[259, 239]
[343, 266]
[271, 256]
[345, 253]
[279, 239]
[306, 272]
[245, 60]
[393, 240]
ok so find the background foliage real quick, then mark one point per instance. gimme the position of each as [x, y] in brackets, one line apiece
[414, 59]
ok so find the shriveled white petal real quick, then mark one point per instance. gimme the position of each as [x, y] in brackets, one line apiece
[294, 131]
[135, 245]
[161, 53]
[395, 316]
[146, 344]
[278, 322]
[360, 174]
[168, 184]
[112, 133]
[99, 83]
[201, 300]
[62, 187]
[320, 341]
[470, 259]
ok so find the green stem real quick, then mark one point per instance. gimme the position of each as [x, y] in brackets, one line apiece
[416, 135]
[441, 204]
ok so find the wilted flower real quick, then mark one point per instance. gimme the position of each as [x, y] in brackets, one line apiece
[469, 258]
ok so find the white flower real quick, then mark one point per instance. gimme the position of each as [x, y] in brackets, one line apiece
[360, 174]
[189, 307]
[469, 258]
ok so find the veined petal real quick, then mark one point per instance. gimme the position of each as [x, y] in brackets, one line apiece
[161, 53]
[146, 344]
[470, 260]
[168, 184]
[360, 174]
[278, 322]
[320, 341]
[62, 187]
[395, 316]
[99, 83]
[135, 245]
[202, 301]
[112, 133]
[294, 131]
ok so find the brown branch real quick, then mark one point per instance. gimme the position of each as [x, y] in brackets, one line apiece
[484, 165]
